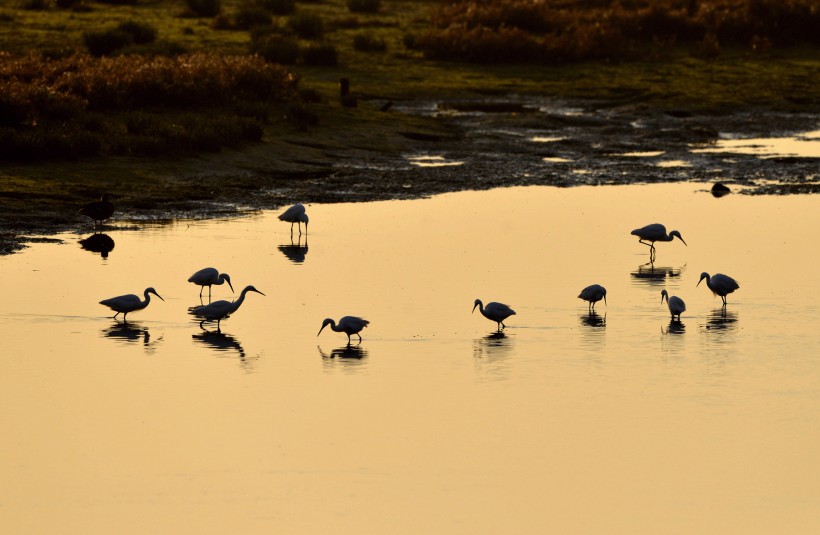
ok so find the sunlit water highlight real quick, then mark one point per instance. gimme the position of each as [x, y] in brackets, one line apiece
[617, 422]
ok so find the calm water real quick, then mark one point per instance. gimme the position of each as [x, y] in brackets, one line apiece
[617, 423]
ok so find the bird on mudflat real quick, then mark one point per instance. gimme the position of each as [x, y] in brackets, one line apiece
[593, 294]
[496, 312]
[98, 210]
[129, 303]
[676, 304]
[295, 214]
[652, 233]
[207, 277]
[219, 310]
[720, 284]
[348, 325]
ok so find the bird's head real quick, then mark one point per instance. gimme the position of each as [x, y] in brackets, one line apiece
[676, 233]
[664, 295]
[152, 291]
[476, 304]
[325, 323]
[227, 279]
[703, 275]
[251, 289]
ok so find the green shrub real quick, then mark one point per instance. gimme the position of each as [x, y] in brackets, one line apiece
[364, 6]
[248, 17]
[366, 42]
[205, 8]
[279, 7]
[35, 5]
[307, 25]
[277, 49]
[106, 42]
[320, 54]
[140, 33]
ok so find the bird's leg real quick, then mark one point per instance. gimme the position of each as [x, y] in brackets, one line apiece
[200, 292]
[218, 328]
[115, 315]
[299, 227]
[360, 337]
[202, 326]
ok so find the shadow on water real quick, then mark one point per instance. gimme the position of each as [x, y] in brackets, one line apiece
[593, 319]
[491, 354]
[130, 333]
[349, 356]
[652, 275]
[296, 252]
[98, 243]
[674, 327]
[721, 320]
[223, 345]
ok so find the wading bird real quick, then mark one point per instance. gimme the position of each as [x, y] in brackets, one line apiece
[496, 312]
[98, 210]
[593, 294]
[295, 214]
[348, 325]
[676, 304]
[207, 277]
[219, 310]
[129, 303]
[720, 284]
[652, 233]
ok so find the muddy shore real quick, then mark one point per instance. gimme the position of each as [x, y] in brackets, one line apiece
[436, 147]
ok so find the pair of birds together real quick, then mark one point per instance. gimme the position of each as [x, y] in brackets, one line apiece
[219, 310]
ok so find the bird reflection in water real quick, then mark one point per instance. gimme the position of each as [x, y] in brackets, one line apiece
[492, 353]
[721, 319]
[593, 319]
[653, 275]
[296, 252]
[220, 342]
[98, 243]
[674, 327]
[129, 333]
[347, 355]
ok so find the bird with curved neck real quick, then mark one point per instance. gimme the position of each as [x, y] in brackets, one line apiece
[207, 277]
[652, 233]
[676, 304]
[496, 312]
[593, 294]
[295, 214]
[348, 325]
[720, 284]
[219, 310]
[129, 303]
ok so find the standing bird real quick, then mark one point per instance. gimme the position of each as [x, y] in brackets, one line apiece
[496, 312]
[207, 277]
[219, 310]
[98, 210]
[295, 214]
[720, 284]
[129, 303]
[652, 233]
[593, 294]
[676, 304]
[348, 325]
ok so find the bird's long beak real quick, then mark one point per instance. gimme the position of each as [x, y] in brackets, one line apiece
[158, 296]
[604, 300]
[473, 309]
[681, 239]
[698, 284]
[320, 331]
[257, 291]
[229, 284]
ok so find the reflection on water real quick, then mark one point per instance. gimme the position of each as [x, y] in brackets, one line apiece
[652, 275]
[674, 327]
[593, 320]
[223, 344]
[98, 243]
[721, 320]
[491, 354]
[349, 356]
[129, 333]
[295, 252]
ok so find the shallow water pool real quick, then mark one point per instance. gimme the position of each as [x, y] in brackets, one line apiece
[617, 422]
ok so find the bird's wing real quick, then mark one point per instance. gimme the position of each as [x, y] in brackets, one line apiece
[292, 212]
[204, 275]
[214, 310]
[127, 300]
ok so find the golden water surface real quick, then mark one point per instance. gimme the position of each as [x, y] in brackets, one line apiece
[622, 422]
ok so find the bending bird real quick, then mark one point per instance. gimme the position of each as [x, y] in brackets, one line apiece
[348, 325]
[676, 304]
[496, 312]
[652, 233]
[593, 294]
[295, 214]
[219, 310]
[720, 284]
[129, 303]
[207, 277]
[98, 210]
